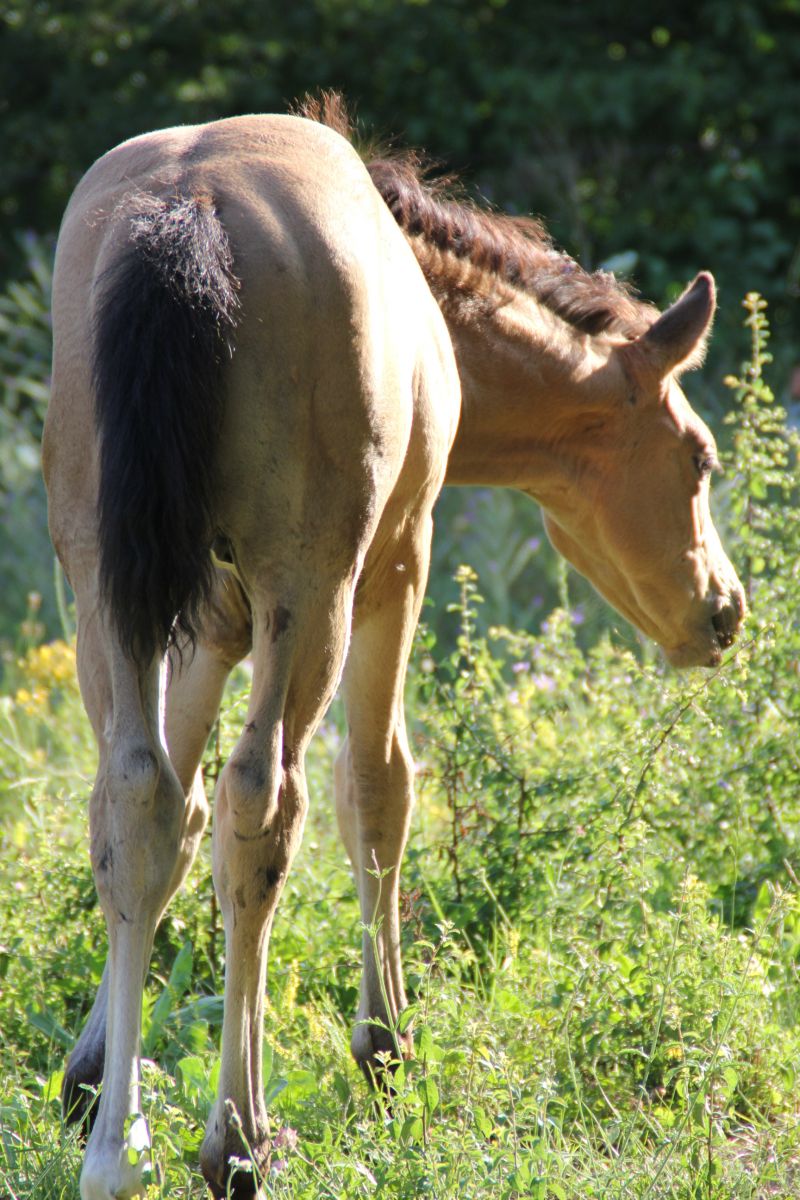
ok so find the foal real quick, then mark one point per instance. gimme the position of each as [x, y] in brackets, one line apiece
[270, 358]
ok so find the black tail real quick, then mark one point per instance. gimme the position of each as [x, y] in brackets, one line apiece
[164, 322]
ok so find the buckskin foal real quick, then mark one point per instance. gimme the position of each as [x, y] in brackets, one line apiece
[268, 358]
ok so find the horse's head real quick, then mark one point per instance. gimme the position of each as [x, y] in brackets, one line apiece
[635, 518]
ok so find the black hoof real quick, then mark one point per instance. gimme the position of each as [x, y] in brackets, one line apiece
[243, 1185]
[243, 1181]
[384, 1056]
[80, 1090]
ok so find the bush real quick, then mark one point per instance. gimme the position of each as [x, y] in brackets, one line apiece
[26, 557]
[644, 826]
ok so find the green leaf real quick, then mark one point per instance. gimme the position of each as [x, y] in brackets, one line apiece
[52, 1088]
[482, 1122]
[267, 1058]
[43, 1020]
[192, 1071]
[412, 1130]
[301, 1083]
[428, 1093]
[424, 1041]
[406, 1017]
[176, 985]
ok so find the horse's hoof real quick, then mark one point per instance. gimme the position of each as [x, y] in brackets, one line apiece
[80, 1100]
[379, 1053]
[243, 1183]
[117, 1172]
[231, 1167]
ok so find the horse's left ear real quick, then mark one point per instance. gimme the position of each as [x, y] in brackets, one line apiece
[677, 340]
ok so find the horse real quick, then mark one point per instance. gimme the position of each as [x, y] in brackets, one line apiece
[269, 356]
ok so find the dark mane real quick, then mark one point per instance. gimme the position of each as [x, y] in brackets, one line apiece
[459, 244]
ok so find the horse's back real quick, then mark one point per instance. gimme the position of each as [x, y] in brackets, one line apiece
[341, 355]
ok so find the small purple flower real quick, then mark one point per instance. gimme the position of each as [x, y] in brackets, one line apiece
[285, 1139]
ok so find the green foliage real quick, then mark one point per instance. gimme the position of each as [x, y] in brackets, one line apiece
[639, 823]
[763, 510]
[603, 119]
[602, 915]
[25, 351]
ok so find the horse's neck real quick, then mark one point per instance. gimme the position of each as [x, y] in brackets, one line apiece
[523, 371]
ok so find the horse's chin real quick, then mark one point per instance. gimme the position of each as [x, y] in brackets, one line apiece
[705, 652]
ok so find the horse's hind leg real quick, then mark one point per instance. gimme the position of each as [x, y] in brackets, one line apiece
[375, 791]
[260, 808]
[195, 688]
[136, 814]
[84, 1070]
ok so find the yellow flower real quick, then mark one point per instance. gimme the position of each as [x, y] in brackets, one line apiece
[316, 1027]
[292, 985]
[32, 703]
[44, 668]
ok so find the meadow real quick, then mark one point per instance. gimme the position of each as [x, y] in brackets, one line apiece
[601, 904]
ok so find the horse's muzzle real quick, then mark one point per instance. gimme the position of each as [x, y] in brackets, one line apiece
[727, 617]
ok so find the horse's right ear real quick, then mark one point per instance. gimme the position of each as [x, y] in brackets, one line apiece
[677, 340]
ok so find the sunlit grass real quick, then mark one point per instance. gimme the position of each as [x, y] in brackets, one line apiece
[601, 918]
[531, 1033]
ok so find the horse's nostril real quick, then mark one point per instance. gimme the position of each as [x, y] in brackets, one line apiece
[726, 619]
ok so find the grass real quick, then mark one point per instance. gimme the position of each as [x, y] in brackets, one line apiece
[589, 1034]
[601, 916]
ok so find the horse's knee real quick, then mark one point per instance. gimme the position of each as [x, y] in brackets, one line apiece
[260, 816]
[376, 765]
[293, 793]
[262, 788]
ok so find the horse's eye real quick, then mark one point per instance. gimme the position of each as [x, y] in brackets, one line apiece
[705, 464]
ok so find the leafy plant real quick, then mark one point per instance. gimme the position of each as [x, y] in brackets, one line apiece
[602, 932]
[25, 349]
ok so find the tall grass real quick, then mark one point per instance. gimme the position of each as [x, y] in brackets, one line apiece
[602, 923]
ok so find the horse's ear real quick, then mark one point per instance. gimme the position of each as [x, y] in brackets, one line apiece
[677, 340]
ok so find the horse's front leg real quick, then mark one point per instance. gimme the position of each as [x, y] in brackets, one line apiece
[374, 784]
